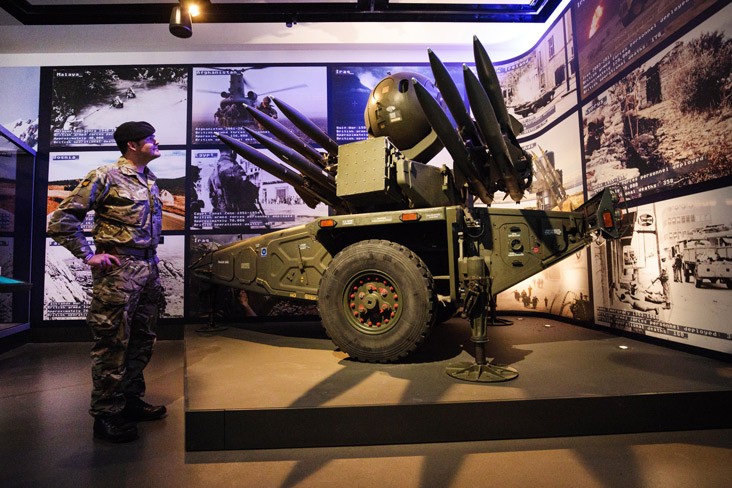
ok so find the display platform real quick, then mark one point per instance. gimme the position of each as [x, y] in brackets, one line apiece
[285, 385]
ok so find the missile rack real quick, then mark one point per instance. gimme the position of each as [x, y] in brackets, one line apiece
[405, 246]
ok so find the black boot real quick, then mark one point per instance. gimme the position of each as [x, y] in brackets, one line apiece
[138, 411]
[114, 428]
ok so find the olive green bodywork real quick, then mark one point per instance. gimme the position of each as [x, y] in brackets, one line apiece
[513, 244]
[407, 244]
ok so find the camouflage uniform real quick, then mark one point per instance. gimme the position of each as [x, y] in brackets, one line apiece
[126, 298]
[229, 187]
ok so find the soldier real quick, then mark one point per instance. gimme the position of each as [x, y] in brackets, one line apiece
[677, 266]
[267, 108]
[663, 279]
[230, 188]
[127, 293]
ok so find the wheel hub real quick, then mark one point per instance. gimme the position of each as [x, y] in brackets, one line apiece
[373, 302]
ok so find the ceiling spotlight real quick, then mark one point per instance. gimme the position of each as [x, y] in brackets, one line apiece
[194, 9]
[180, 22]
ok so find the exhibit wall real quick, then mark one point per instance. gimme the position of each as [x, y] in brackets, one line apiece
[656, 97]
[633, 93]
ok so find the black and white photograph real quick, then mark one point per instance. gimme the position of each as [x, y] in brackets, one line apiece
[19, 103]
[562, 289]
[672, 265]
[667, 123]
[230, 192]
[541, 86]
[611, 34]
[89, 103]
[68, 281]
[67, 169]
[222, 94]
[557, 167]
[8, 185]
[228, 304]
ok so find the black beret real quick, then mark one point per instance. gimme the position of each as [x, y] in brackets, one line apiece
[133, 131]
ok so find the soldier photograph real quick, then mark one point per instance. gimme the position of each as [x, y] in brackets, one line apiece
[222, 95]
[127, 293]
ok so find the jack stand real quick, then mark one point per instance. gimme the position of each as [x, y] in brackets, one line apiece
[478, 298]
[481, 371]
[211, 328]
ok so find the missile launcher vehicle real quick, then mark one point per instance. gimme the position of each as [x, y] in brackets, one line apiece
[405, 245]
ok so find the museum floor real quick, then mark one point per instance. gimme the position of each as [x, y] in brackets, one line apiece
[45, 435]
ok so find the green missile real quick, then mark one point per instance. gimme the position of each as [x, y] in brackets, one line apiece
[315, 173]
[453, 99]
[286, 136]
[446, 133]
[278, 170]
[489, 80]
[308, 127]
[487, 122]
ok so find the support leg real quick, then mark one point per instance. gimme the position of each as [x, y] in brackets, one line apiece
[477, 300]
[211, 327]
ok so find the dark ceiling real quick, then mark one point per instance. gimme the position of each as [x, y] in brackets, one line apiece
[69, 13]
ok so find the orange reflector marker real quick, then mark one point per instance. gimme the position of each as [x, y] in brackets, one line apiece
[327, 223]
[409, 217]
[607, 219]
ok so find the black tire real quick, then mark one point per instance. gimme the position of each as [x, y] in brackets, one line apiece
[376, 301]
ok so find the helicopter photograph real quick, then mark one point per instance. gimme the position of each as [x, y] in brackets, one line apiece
[222, 95]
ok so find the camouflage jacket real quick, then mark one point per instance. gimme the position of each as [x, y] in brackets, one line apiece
[127, 211]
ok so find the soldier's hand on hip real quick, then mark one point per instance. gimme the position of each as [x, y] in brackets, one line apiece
[103, 260]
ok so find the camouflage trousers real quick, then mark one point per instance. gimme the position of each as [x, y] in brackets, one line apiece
[122, 316]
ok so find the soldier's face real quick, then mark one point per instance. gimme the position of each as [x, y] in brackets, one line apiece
[148, 147]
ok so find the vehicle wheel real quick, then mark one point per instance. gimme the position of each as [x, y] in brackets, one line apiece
[697, 282]
[376, 301]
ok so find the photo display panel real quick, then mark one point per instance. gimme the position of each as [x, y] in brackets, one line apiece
[541, 86]
[670, 268]
[68, 281]
[221, 95]
[230, 192]
[8, 185]
[667, 123]
[351, 86]
[611, 34]
[562, 289]
[19, 102]
[640, 69]
[66, 170]
[89, 103]
[557, 167]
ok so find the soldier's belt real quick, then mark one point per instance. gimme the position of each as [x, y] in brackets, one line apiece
[128, 251]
